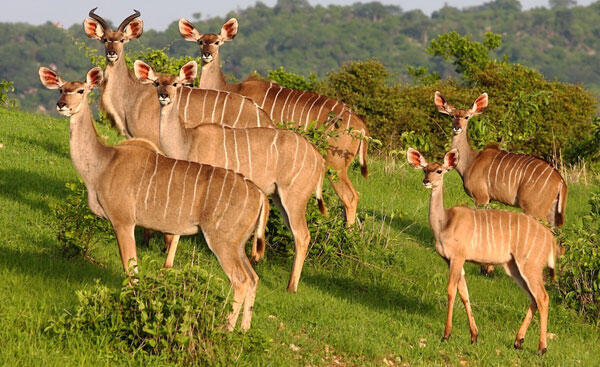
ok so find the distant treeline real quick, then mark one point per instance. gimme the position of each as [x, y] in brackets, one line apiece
[562, 42]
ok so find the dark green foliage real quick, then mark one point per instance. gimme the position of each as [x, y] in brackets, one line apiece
[579, 280]
[293, 81]
[79, 230]
[6, 88]
[466, 55]
[178, 314]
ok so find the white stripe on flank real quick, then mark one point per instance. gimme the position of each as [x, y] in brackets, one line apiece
[274, 102]
[257, 116]
[489, 184]
[308, 113]
[284, 104]
[295, 154]
[301, 166]
[224, 106]
[183, 191]
[321, 109]
[504, 171]
[195, 187]
[546, 181]
[474, 229]
[237, 159]
[493, 238]
[207, 188]
[239, 113]
[519, 172]
[533, 171]
[509, 243]
[525, 170]
[541, 174]
[225, 148]
[226, 205]
[303, 108]
[274, 145]
[502, 239]
[295, 104]
[187, 103]
[518, 237]
[249, 154]
[137, 194]
[212, 117]
[348, 122]
[498, 168]
[526, 243]
[150, 182]
[543, 245]
[515, 165]
[266, 94]
[204, 104]
[487, 232]
[532, 242]
[312, 173]
[221, 192]
[169, 189]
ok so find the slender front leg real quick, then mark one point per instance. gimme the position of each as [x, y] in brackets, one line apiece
[171, 242]
[126, 239]
[455, 273]
[464, 296]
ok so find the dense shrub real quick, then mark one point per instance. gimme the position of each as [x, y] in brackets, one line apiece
[579, 280]
[78, 229]
[177, 314]
[6, 88]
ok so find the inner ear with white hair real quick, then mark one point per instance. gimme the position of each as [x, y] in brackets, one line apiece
[50, 78]
[144, 72]
[188, 72]
[415, 159]
[480, 104]
[94, 78]
[451, 159]
[229, 30]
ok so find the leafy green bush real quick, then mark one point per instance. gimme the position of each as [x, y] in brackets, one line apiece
[7, 87]
[79, 230]
[293, 81]
[579, 278]
[177, 314]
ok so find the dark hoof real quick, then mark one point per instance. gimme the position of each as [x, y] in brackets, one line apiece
[474, 339]
[444, 338]
[542, 351]
[519, 343]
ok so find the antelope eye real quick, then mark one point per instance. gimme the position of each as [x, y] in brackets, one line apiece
[467, 117]
[217, 43]
[80, 91]
[174, 84]
[439, 171]
[60, 90]
[155, 83]
[200, 42]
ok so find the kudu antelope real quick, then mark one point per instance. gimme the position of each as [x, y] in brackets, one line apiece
[285, 104]
[280, 162]
[133, 184]
[519, 242]
[515, 179]
[132, 106]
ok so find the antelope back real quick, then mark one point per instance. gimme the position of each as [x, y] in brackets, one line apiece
[201, 106]
[267, 156]
[494, 236]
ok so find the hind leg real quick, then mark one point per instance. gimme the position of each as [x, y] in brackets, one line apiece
[347, 193]
[250, 294]
[296, 213]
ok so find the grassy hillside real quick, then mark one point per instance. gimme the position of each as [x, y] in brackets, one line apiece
[390, 311]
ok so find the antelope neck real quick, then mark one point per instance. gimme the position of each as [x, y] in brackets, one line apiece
[466, 154]
[88, 154]
[211, 76]
[437, 213]
[172, 134]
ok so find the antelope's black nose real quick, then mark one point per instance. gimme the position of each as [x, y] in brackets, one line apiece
[425, 181]
[111, 53]
[163, 95]
[206, 54]
[61, 104]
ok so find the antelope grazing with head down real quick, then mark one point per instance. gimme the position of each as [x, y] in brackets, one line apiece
[284, 104]
[132, 106]
[514, 179]
[516, 240]
[279, 162]
[133, 184]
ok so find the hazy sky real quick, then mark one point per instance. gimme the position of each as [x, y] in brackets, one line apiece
[158, 16]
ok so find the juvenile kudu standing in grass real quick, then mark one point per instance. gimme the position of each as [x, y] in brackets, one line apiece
[132, 106]
[134, 184]
[516, 240]
[285, 104]
[280, 162]
[515, 179]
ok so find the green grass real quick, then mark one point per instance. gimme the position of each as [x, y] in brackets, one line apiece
[390, 305]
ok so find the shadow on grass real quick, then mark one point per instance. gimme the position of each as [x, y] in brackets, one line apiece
[18, 185]
[374, 296]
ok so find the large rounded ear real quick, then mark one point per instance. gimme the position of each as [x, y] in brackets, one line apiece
[229, 30]
[188, 72]
[50, 79]
[480, 104]
[134, 29]
[144, 72]
[451, 159]
[415, 159]
[94, 77]
[188, 31]
[93, 29]
[442, 105]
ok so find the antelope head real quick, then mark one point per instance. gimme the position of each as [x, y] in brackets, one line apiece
[209, 42]
[166, 84]
[96, 27]
[460, 118]
[434, 172]
[72, 94]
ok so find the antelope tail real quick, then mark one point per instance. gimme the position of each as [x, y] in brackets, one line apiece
[319, 195]
[261, 224]
[363, 147]
[561, 204]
